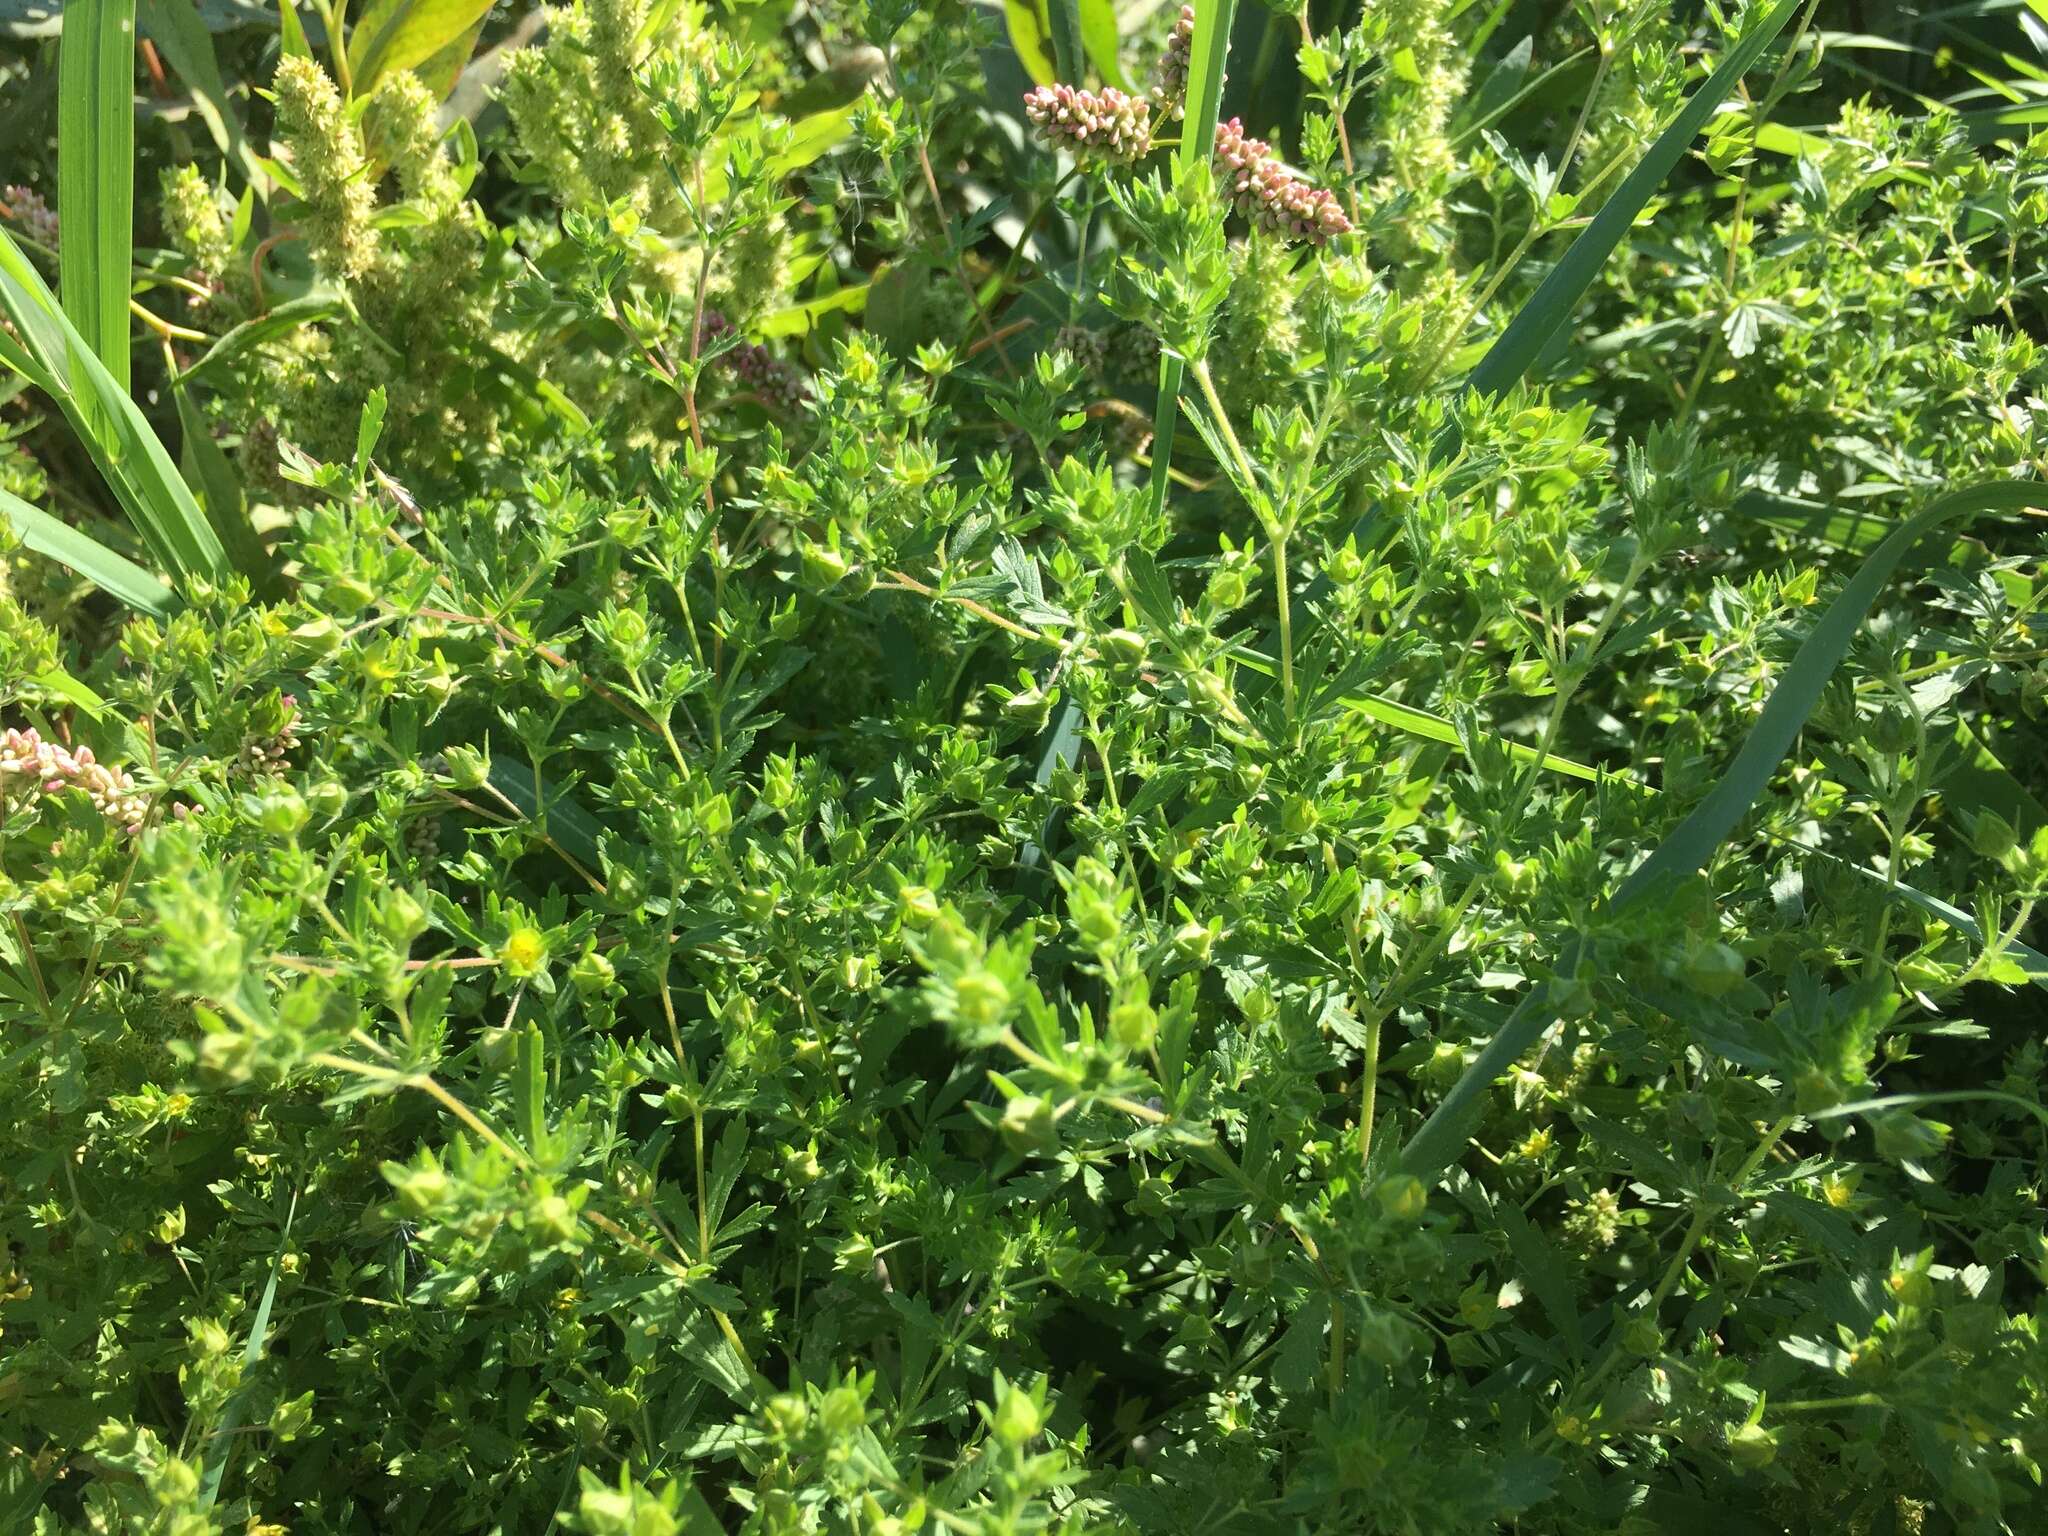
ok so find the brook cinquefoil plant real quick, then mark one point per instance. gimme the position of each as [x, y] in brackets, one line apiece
[754, 786]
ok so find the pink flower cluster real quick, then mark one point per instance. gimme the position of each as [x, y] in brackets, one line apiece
[780, 386]
[1169, 95]
[1094, 125]
[49, 769]
[1269, 194]
[27, 208]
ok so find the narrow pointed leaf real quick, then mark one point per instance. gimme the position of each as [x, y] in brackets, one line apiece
[96, 173]
[124, 448]
[1559, 294]
[1688, 847]
[113, 574]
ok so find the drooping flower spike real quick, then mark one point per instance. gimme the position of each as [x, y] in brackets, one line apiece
[1170, 90]
[1264, 190]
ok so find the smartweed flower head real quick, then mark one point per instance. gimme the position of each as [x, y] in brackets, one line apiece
[1264, 190]
[25, 206]
[1105, 126]
[1170, 88]
[49, 768]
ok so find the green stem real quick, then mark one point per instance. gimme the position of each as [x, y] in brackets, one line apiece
[1275, 526]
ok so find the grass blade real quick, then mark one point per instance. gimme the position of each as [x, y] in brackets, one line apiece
[259, 1335]
[213, 478]
[1688, 847]
[1420, 722]
[176, 28]
[1694, 840]
[96, 173]
[279, 320]
[52, 355]
[111, 573]
[1070, 57]
[1559, 293]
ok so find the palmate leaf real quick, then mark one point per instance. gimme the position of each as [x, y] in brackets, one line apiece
[1694, 841]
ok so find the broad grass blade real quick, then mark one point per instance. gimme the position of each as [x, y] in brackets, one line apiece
[96, 173]
[1198, 134]
[111, 573]
[1559, 293]
[51, 354]
[1688, 847]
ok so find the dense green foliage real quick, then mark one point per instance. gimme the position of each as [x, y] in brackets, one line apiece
[817, 797]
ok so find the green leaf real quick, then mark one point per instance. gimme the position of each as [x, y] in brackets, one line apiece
[1031, 36]
[1100, 39]
[259, 1334]
[797, 319]
[1558, 295]
[1799, 688]
[1420, 722]
[395, 35]
[96, 173]
[178, 31]
[52, 355]
[2028, 959]
[566, 824]
[213, 479]
[111, 573]
[67, 687]
[1198, 134]
[292, 32]
[1069, 53]
[1688, 847]
[279, 321]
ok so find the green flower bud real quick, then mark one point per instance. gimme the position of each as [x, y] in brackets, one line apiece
[348, 596]
[281, 811]
[400, 917]
[1194, 942]
[1123, 648]
[1027, 1125]
[1751, 1446]
[290, 1418]
[1018, 1417]
[209, 1338]
[787, 1415]
[550, 1215]
[1993, 836]
[326, 799]
[824, 567]
[1903, 1136]
[1403, 1197]
[593, 974]
[1134, 1024]
[982, 999]
[468, 767]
